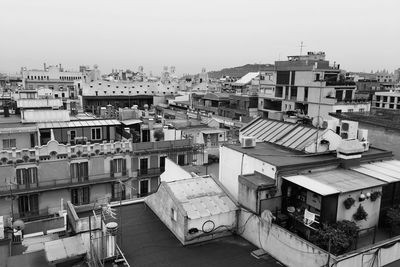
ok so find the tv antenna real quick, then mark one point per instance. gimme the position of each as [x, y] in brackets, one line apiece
[301, 47]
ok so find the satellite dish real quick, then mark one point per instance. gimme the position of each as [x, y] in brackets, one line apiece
[317, 122]
[18, 225]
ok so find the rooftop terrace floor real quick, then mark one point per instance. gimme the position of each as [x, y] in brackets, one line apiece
[146, 241]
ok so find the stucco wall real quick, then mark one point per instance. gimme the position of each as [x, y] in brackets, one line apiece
[54, 170]
[281, 244]
[231, 166]
[371, 207]
[22, 140]
[161, 203]
[247, 197]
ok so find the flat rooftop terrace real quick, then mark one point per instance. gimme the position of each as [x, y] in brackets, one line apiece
[146, 241]
[283, 157]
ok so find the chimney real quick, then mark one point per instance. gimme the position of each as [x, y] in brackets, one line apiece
[44, 66]
[349, 151]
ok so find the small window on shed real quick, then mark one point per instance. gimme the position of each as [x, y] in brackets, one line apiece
[173, 214]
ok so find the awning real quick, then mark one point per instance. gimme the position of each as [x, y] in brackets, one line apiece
[312, 185]
[131, 122]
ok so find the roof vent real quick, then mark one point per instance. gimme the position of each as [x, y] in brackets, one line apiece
[248, 141]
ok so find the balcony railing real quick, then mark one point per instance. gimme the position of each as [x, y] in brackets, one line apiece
[150, 172]
[58, 183]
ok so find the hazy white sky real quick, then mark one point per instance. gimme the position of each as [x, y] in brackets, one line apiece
[359, 34]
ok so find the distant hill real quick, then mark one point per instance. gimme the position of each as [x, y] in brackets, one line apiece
[238, 71]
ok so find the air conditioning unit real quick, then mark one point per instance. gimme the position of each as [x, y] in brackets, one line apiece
[365, 144]
[348, 129]
[330, 124]
[362, 135]
[247, 141]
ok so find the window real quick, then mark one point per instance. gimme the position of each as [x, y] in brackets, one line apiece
[105, 92]
[181, 159]
[28, 205]
[9, 143]
[144, 187]
[79, 171]
[27, 176]
[80, 196]
[173, 214]
[350, 110]
[117, 191]
[96, 133]
[143, 165]
[118, 166]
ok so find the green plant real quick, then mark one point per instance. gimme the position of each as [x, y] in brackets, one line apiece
[333, 239]
[375, 195]
[360, 214]
[349, 202]
[348, 227]
[158, 135]
[393, 220]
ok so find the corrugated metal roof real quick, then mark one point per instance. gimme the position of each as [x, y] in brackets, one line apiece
[201, 197]
[312, 185]
[246, 78]
[293, 136]
[339, 180]
[388, 171]
[76, 124]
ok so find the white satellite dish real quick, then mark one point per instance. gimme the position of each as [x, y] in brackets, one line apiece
[317, 122]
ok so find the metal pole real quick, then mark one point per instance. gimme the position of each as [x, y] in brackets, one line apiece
[120, 212]
[12, 205]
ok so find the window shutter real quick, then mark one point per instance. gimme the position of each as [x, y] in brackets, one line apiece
[25, 176]
[85, 172]
[123, 166]
[71, 167]
[112, 168]
[19, 176]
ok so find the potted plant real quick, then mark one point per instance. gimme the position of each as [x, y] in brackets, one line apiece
[375, 195]
[360, 214]
[349, 202]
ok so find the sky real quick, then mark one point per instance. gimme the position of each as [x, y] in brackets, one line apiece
[361, 35]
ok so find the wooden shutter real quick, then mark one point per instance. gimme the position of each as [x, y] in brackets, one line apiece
[123, 167]
[85, 170]
[112, 168]
[19, 176]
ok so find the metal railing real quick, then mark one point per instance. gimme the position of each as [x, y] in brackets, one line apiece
[150, 171]
[16, 188]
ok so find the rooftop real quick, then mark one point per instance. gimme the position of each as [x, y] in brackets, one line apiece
[148, 242]
[290, 135]
[335, 181]
[200, 197]
[246, 78]
[379, 118]
[285, 158]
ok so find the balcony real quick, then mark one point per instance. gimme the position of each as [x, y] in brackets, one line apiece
[53, 184]
[142, 173]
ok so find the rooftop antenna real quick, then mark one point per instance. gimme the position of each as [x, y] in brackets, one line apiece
[301, 47]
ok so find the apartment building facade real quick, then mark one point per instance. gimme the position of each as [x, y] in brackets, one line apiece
[38, 181]
[307, 84]
[55, 78]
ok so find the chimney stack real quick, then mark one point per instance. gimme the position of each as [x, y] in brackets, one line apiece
[350, 151]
